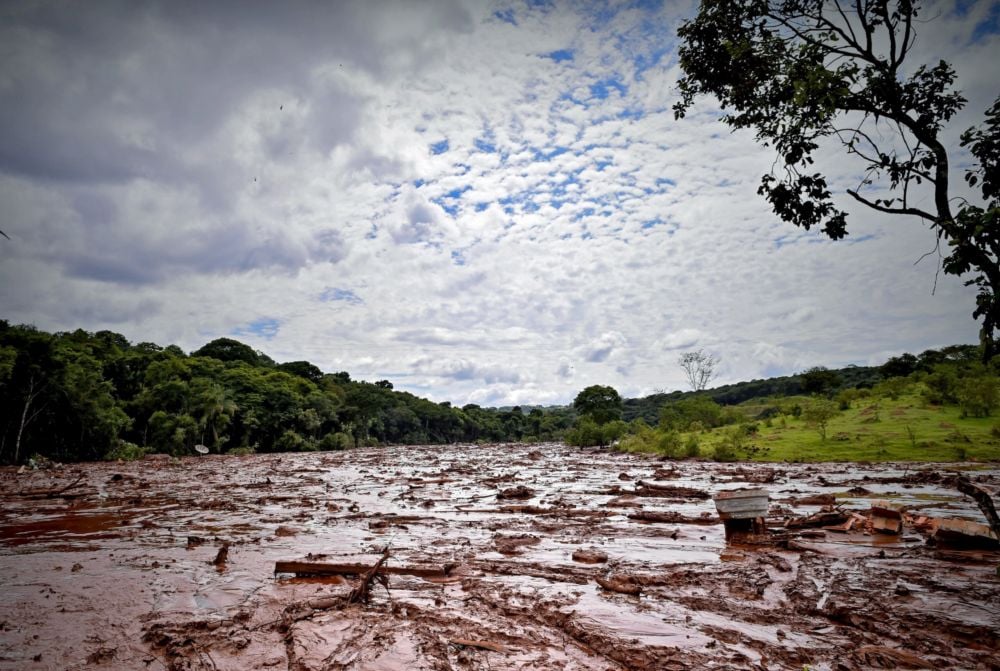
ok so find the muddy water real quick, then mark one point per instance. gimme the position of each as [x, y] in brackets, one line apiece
[120, 569]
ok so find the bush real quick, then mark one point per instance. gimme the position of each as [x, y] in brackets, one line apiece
[846, 398]
[942, 387]
[893, 387]
[692, 448]
[586, 433]
[289, 441]
[819, 414]
[977, 396]
[244, 451]
[669, 444]
[768, 412]
[335, 441]
[612, 431]
[734, 441]
[126, 451]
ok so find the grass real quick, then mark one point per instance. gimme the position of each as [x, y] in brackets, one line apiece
[873, 429]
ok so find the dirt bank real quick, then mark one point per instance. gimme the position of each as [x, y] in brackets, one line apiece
[160, 564]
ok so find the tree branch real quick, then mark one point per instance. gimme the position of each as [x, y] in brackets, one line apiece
[914, 211]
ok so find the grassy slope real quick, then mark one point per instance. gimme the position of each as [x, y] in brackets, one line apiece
[940, 433]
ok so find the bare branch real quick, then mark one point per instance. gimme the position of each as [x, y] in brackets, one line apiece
[916, 212]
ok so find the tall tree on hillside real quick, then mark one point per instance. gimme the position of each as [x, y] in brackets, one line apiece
[806, 73]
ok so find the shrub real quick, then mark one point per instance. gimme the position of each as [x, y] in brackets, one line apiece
[289, 441]
[612, 431]
[977, 396]
[243, 451]
[819, 414]
[734, 441]
[691, 446]
[335, 441]
[126, 451]
[586, 433]
[942, 387]
[669, 444]
[893, 387]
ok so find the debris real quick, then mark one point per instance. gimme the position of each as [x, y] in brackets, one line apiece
[623, 584]
[814, 500]
[880, 656]
[484, 645]
[964, 533]
[644, 488]
[518, 492]
[590, 556]
[362, 593]
[826, 518]
[671, 517]
[306, 568]
[983, 499]
[887, 517]
[222, 556]
[511, 545]
[52, 493]
[742, 510]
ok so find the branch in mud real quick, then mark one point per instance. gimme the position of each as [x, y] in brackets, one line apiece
[362, 593]
[983, 499]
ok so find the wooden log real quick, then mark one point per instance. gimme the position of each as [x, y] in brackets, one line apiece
[644, 488]
[983, 499]
[324, 568]
[670, 517]
[483, 645]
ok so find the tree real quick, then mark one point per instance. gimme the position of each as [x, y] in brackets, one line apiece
[600, 403]
[819, 380]
[818, 415]
[802, 73]
[699, 368]
[227, 349]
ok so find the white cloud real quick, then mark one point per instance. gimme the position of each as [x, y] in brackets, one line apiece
[286, 172]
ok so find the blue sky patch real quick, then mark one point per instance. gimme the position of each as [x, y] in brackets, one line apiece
[484, 146]
[561, 55]
[988, 26]
[265, 328]
[440, 147]
[333, 295]
[601, 89]
[507, 16]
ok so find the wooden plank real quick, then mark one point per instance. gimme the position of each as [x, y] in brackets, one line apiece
[325, 568]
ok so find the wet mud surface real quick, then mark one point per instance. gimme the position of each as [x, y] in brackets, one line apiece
[500, 557]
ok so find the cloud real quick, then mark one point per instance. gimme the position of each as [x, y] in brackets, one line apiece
[483, 204]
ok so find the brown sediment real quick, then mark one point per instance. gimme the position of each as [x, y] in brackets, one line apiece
[114, 566]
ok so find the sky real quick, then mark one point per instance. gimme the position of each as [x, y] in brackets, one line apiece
[483, 202]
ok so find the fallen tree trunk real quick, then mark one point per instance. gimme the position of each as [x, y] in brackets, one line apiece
[983, 499]
[324, 568]
[670, 517]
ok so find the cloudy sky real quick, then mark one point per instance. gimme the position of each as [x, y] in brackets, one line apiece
[484, 202]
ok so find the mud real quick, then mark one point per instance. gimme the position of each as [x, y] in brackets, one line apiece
[606, 561]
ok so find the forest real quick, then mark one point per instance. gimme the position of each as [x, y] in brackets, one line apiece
[74, 396]
[83, 396]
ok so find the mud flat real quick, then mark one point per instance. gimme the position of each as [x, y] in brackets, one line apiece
[159, 564]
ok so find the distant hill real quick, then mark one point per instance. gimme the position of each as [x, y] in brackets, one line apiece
[648, 407]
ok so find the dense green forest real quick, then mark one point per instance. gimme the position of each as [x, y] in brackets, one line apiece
[79, 396]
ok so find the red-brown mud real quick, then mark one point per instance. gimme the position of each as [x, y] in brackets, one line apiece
[607, 561]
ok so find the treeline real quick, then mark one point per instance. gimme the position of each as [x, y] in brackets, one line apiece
[951, 376]
[817, 380]
[82, 396]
